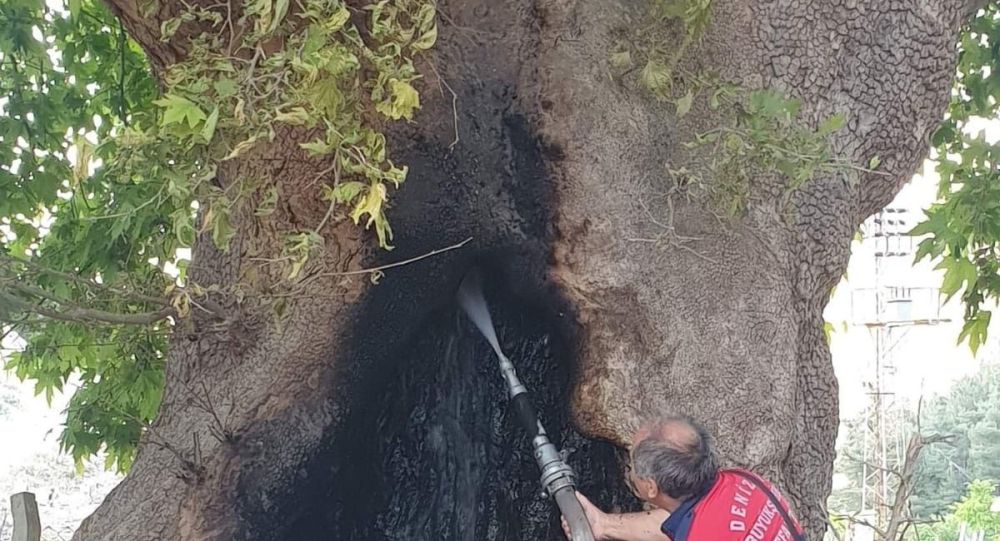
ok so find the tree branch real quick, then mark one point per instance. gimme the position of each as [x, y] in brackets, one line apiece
[855, 520]
[899, 522]
[87, 316]
[379, 269]
[6, 259]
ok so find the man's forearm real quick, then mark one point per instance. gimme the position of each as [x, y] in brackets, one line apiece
[642, 526]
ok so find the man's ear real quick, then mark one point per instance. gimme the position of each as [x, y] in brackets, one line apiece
[649, 489]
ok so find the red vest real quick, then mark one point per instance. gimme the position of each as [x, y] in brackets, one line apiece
[740, 506]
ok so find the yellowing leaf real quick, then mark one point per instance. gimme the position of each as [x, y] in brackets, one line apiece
[182, 304]
[425, 17]
[395, 175]
[238, 112]
[404, 101]
[268, 205]
[299, 247]
[319, 147]
[296, 116]
[81, 169]
[621, 60]
[375, 146]
[207, 219]
[280, 9]
[344, 192]
[337, 20]
[263, 10]
[169, 27]
[370, 204]
[684, 104]
[828, 330]
[655, 76]
[242, 147]
[427, 40]
[296, 267]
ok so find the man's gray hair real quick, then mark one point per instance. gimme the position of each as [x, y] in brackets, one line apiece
[677, 455]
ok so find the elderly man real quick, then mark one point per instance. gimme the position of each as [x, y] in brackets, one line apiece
[674, 468]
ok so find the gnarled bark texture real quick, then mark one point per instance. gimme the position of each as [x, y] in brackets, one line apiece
[555, 168]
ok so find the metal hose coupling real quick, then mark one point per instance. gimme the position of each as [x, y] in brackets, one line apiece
[558, 481]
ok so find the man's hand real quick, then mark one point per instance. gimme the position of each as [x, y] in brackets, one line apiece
[595, 516]
[641, 526]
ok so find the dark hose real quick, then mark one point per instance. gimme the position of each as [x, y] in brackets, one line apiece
[525, 413]
[574, 514]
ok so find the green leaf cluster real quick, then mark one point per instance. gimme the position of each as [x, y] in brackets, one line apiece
[75, 83]
[765, 135]
[695, 15]
[106, 176]
[962, 228]
[657, 58]
[328, 76]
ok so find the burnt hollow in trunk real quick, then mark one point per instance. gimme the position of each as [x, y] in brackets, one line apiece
[432, 451]
[426, 448]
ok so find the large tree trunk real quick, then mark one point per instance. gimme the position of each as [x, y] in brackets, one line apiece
[305, 428]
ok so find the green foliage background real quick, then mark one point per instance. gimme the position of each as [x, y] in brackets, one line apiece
[970, 411]
[974, 510]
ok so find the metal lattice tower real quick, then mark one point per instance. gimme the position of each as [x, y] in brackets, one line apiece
[888, 320]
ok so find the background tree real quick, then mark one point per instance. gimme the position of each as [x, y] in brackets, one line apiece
[974, 511]
[967, 414]
[969, 411]
[894, 517]
[651, 173]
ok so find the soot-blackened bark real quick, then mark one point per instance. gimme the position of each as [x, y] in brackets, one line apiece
[557, 166]
[435, 453]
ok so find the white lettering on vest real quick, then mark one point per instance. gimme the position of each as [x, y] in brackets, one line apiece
[739, 507]
[763, 523]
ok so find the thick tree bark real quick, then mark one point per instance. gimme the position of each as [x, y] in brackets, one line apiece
[556, 166]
